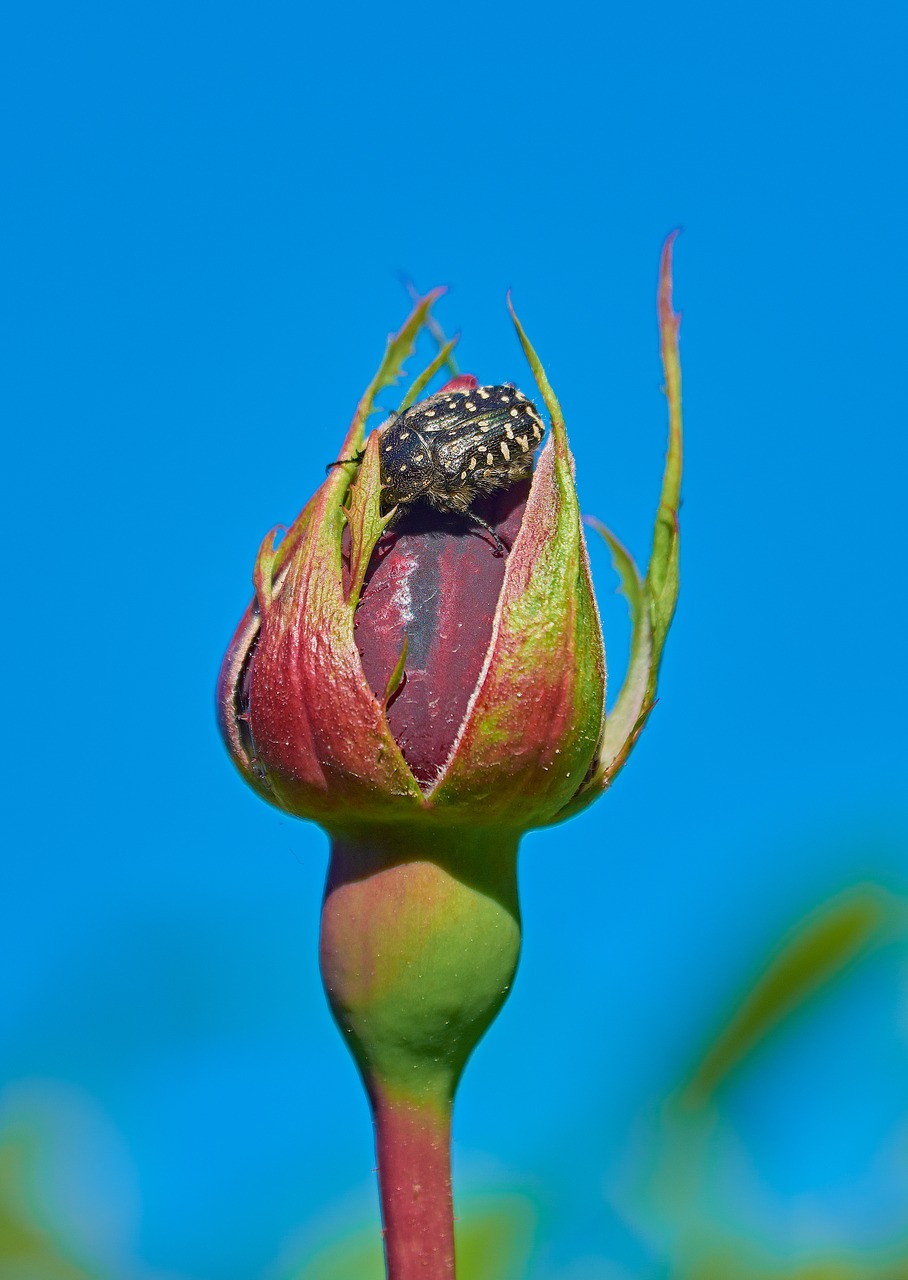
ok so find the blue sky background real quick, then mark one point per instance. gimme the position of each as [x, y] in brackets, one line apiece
[207, 209]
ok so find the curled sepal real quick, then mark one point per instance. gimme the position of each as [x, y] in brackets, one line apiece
[651, 600]
[422, 381]
[230, 695]
[233, 719]
[364, 517]
[662, 576]
[533, 722]
[263, 573]
[625, 721]
[395, 679]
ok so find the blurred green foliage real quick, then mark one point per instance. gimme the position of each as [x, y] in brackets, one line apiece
[731, 1266]
[813, 956]
[818, 949]
[495, 1236]
[30, 1249]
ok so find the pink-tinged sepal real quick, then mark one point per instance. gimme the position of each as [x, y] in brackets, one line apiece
[298, 717]
[533, 723]
[230, 702]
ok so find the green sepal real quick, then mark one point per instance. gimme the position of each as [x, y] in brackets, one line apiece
[435, 329]
[662, 576]
[817, 950]
[364, 517]
[397, 674]
[624, 722]
[290, 542]
[651, 600]
[428, 374]
[263, 573]
[399, 348]
[559, 434]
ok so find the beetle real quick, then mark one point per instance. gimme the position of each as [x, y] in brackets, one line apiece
[449, 449]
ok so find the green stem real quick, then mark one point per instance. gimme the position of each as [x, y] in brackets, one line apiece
[419, 945]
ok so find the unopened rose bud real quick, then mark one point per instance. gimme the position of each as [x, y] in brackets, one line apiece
[497, 708]
[422, 672]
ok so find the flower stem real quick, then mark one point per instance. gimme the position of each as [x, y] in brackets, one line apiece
[413, 1146]
[419, 945]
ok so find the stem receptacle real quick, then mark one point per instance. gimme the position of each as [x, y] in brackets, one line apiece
[420, 939]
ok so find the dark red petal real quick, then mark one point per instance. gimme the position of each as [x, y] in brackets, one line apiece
[435, 578]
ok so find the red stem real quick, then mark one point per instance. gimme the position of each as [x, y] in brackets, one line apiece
[413, 1146]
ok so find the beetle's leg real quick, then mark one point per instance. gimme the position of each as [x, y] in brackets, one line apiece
[488, 528]
[341, 461]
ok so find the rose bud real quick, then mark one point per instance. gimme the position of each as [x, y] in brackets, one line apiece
[422, 672]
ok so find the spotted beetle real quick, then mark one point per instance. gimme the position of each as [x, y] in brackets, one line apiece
[449, 449]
